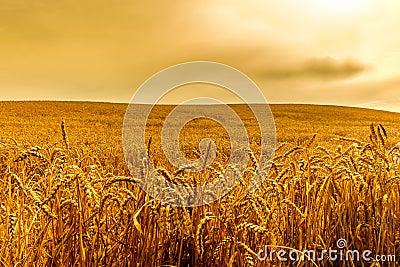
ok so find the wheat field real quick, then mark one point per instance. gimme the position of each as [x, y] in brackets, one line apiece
[68, 199]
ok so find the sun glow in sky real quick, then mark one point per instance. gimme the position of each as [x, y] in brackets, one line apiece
[342, 52]
[338, 6]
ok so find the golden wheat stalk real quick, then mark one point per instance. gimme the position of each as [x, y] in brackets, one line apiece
[64, 134]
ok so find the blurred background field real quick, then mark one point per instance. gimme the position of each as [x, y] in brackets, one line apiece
[100, 124]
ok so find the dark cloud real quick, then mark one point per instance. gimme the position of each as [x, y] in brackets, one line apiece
[325, 68]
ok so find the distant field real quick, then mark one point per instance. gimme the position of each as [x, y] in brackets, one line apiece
[68, 199]
[38, 123]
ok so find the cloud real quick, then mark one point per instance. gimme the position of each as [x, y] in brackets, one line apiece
[322, 68]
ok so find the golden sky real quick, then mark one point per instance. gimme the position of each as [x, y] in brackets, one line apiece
[342, 52]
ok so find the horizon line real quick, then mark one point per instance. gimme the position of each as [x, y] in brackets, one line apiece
[172, 104]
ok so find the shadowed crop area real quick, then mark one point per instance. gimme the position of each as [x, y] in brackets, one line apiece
[68, 199]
